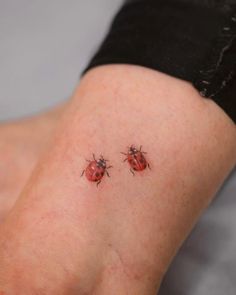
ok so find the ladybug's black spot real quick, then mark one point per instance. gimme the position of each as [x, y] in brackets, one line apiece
[141, 160]
[97, 174]
[102, 173]
[135, 168]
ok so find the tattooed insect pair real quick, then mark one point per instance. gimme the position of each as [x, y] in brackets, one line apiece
[96, 169]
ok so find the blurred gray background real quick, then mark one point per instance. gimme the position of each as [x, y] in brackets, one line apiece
[44, 47]
[45, 44]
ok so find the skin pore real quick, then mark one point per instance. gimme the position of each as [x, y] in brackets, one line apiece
[65, 235]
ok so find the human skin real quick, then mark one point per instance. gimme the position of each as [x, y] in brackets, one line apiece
[22, 142]
[65, 235]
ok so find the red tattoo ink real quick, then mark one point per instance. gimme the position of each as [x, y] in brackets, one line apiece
[96, 169]
[136, 159]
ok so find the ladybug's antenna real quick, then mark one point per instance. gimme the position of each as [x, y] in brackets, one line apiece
[101, 157]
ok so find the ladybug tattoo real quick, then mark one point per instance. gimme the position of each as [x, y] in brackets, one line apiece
[96, 169]
[136, 159]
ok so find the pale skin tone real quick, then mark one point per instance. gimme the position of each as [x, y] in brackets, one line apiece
[65, 235]
[21, 144]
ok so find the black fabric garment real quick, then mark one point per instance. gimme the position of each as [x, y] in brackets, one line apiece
[194, 40]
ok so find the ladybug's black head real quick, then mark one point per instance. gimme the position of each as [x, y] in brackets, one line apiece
[102, 163]
[132, 150]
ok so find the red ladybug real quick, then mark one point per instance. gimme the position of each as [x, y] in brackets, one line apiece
[136, 159]
[96, 169]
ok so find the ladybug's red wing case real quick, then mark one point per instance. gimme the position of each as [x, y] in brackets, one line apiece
[93, 172]
[142, 163]
[99, 173]
[96, 169]
[136, 159]
[133, 162]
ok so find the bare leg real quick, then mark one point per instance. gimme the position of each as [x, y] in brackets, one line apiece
[21, 144]
[65, 236]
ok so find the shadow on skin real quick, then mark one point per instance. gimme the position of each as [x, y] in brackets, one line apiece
[204, 248]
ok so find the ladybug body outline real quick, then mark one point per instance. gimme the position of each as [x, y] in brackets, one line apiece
[96, 169]
[136, 159]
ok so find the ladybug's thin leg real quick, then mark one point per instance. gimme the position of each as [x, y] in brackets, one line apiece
[132, 172]
[109, 167]
[88, 160]
[94, 158]
[82, 173]
[149, 166]
[98, 182]
[125, 155]
[107, 173]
